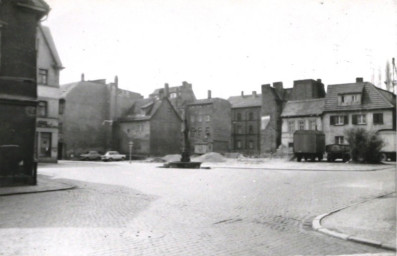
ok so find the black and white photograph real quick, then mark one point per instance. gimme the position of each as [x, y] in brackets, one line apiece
[198, 128]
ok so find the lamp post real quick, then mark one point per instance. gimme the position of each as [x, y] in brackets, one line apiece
[130, 144]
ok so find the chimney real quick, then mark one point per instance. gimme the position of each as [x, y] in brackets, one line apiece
[209, 94]
[161, 94]
[82, 77]
[166, 91]
[319, 81]
[116, 81]
[359, 80]
[254, 94]
[242, 93]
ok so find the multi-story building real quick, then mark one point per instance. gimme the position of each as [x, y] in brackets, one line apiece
[18, 88]
[353, 105]
[179, 96]
[300, 115]
[246, 120]
[209, 123]
[48, 68]
[152, 125]
[303, 110]
[87, 112]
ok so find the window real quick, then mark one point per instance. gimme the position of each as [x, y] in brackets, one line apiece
[359, 119]
[199, 119]
[339, 140]
[301, 124]
[199, 132]
[250, 116]
[192, 132]
[250, 144]
[378, 118]
[238, 144]
[43, 76]
[45, 144]
[239, 129]
[339, 120]
[42, 109]
[207, 132]
[250, 129]
[238, 116]
[207, 118]
[60, 127]
[173, 95]
[192, 119]
[291, 126]
[313, 125]
[61, 106]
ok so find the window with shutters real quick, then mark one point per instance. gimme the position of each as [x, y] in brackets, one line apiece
[339, 140]
[339, 120]
[378, 118]
[359, 119]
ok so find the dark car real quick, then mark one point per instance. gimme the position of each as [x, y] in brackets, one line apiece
[337, 151]
[91, 155]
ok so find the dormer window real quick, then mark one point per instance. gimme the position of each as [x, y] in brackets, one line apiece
[349, 99]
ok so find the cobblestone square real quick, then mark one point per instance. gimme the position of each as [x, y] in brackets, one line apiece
[139, 209]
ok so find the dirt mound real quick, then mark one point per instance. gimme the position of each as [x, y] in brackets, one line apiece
[211, 157]
[172, 158]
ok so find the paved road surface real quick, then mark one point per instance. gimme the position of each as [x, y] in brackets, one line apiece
[138, 209]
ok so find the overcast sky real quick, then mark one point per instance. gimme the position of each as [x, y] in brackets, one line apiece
[223, 45]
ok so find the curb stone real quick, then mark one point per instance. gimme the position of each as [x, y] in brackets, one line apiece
[316, 225]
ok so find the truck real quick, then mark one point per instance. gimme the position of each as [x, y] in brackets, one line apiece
[309, 145]
[388, 151]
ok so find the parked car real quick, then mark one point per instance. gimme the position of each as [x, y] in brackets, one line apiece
[337, 151]
[113, 155]
[309, 145]
[91, 155]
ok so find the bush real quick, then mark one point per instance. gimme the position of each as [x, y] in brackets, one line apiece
[364, 146]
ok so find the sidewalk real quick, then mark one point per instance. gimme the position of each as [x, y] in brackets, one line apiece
[372, 222]
[44, 184]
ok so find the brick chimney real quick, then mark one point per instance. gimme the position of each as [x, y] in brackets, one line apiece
[82, 77]
[166, 91]
[209, 94]
[359, 80]
[116, 81]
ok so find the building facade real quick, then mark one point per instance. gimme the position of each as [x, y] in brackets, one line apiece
[153, 126]
[209, 123]
[48, 69]
[357, 105]
[18, 88]
[88, 110]
[300, 115]
[246, 121]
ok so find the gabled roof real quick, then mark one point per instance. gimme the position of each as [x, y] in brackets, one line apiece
[246, 101]
[312, 107]
[145, 109]
[51, 45]
[372, 97]
[67, 88]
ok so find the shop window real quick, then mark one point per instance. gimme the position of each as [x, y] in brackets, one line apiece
[45, 144]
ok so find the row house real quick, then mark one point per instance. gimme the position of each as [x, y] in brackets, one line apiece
[88, 110]
[48, 68]
[209, 123]
[353, 105]
[152, 125]
[303, 110]
[246, 121]
[18, 88]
